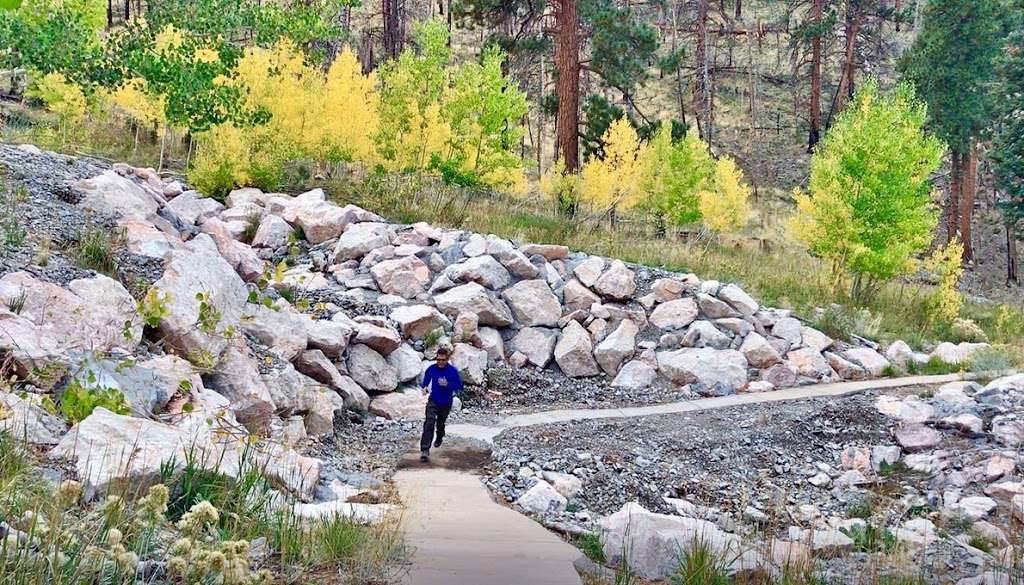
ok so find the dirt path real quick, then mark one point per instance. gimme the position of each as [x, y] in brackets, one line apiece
[462, 536]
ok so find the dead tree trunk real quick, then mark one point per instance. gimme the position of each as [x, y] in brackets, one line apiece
[1012, 260]
[814, 134]
[567, 63]
[851, 28]
[702, 88]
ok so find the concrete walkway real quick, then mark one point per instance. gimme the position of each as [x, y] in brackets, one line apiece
[462, 537]
[487, 433]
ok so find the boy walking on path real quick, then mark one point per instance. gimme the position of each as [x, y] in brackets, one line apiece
[444, 382]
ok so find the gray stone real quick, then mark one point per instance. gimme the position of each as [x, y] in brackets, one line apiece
[713, 308]
[361, 238]
[617, 282]
[471, 363]
[574, 352]
[738, 299]
[635, 375]
[473, 298]
[759, 352]
[483, 270]
[703, 333]
[915, 437]
[533, 304]
[415, 321]
[674, 314]
[370, 370]
[537, 344]
[708, 371]
[578, 297]
[616, 347]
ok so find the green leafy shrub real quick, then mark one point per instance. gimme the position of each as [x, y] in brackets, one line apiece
[991, 359]
[590, 544]
[78, 401]
[97, 249]
[967, 330]
[870, 539]
[700, 565]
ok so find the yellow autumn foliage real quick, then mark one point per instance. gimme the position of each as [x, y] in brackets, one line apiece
[613, 181]
[946, 264]
[726, 207]
[144, 107]
[330, 117]
[62, 97]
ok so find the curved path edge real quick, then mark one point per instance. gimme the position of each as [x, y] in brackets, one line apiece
[488, 433]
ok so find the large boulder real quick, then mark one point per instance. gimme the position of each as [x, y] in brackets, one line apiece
[272, 233]
[675, 314]
[713, 308]
[635, 375]
[410, 405]
[869, 359]
[112, 194]
[330, 337]
[471, 363]
[618, 282]
[198, 267]
[709, 371]
[484, 270]
[548, 251]
[759, 352]
[815, 339]
[473, 298]
[650, 544]
[370, 370]
[578, 297]
[533, 304]
[143, 238]
[25, 418]
[283, 331]
[915, 437]
[406, 361]
[92, 314]
[541, 499]
[237, 378]
[406, 277]
[415, 321]
[377, 334]
[589, 270]
[147, 385]
[574, 352]
[738, 299]
[703, 333]
[809, 362]
[618, 346]
[957, 354]
[536, 343]
[359, 239]
[320, 220]
[789, 329]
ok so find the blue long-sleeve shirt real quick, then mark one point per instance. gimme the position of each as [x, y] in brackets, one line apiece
[444, 383]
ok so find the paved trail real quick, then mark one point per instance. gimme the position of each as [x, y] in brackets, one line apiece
[463, 537]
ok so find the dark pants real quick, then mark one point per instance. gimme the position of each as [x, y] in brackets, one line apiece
[436, 416]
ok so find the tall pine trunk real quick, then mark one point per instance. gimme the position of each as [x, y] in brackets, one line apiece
[968, 189]
[851, 28]
[814, 135]
[1012, 260]
[394, 27]
[953, 199]
[567, 64]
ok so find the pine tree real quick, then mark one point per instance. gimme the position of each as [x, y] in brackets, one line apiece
[1008, 147]
[952, 66]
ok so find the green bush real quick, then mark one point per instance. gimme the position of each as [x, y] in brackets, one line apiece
[78, 401]
[870, 539]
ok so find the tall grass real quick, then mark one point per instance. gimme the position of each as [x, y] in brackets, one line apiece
[58, 538]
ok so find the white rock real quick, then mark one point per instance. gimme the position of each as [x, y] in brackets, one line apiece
[361, 238]
[198, 267]
[473, 298]
[825, 543]
[952, 393]
[407, 277]
[917, 437]
[674, 314]
[370, 370]
[738, 299]
[759, 352]
[566, 484]
[789, 329]
[867, 358]
[284, 332]
[667, 289]
[548, 251]
[899, 353]
[703, 333]
[649, 543]
[406, 362]
[330, 337]
[237, 378]
[483, 270]
[714, 308]
[618, 282]
[471, 363]
[909, 410]
[708, 371]
[382, 338]
[589, 270]
[808, 362]
[533, 304]
[974, 507]
[415, 321]
[409, 405]
[635, 375]
[537, 344]
[956, 354]
[143, 238]
[574, 352]
[578, 297]
[846, 369]
[541, 499]
[815, 339]
[23, 419]
[1014, 383]
[965, 423]
[618, 346]
[884, 455]
[111, 194]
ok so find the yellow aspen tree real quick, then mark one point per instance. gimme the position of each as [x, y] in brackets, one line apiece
[726, 208]
[613, 182]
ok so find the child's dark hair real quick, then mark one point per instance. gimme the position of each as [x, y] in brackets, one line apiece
[444, 352]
